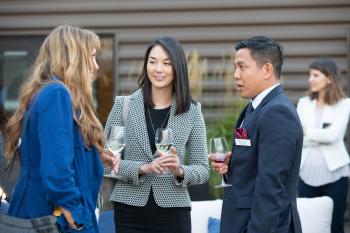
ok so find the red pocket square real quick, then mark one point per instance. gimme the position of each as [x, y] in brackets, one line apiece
[241, 133]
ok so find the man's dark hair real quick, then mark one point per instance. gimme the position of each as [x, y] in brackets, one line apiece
[264, 50]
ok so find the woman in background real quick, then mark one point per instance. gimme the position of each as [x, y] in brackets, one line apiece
[324, 114]
[146, 200]
[60, 167]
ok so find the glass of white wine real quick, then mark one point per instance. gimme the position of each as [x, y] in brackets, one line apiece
[219, 149]
[116, 143]
[164, 141]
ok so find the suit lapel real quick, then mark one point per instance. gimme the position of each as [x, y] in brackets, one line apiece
[327, 114]
[272, 94]
[241, 116]
[238, 124]
[312, 114]
[137, 112]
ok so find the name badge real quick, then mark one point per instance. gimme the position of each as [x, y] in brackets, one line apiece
[242, 142]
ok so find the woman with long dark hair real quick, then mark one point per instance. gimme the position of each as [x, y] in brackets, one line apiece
[151, 195]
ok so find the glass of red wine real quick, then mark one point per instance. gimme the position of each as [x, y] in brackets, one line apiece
[218, 149]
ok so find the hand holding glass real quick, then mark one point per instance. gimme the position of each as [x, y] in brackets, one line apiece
[218, 149]
[116, 142]
[164, 141]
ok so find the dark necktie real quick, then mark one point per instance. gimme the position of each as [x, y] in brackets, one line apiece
[248, 111]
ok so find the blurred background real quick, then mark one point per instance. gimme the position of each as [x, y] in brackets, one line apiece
[208, 31]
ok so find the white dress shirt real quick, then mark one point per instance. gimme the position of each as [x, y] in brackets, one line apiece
[257, 100]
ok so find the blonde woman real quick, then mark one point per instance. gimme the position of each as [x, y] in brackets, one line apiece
[60, 166]
[324, 114]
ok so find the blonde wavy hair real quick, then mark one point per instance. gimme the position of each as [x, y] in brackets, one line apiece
[66, 53]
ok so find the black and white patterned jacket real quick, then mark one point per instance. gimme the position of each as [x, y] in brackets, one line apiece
[189, 138]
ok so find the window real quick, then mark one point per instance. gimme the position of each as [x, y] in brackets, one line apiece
[17, 55]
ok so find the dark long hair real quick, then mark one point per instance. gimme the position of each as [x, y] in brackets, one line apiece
[334, 91]
[181, 86]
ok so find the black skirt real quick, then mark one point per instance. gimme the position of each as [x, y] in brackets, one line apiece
[151, 218]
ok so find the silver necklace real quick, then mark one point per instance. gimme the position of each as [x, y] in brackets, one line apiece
[150, 119]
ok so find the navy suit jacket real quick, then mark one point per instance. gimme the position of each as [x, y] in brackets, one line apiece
[262, 198]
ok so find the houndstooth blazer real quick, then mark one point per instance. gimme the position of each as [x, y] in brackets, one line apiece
[189, 138]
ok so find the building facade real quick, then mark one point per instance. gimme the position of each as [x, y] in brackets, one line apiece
[207, 29]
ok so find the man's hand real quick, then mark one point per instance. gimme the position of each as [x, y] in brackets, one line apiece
[220, 168]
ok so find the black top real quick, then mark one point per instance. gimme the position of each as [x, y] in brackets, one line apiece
[158, 116]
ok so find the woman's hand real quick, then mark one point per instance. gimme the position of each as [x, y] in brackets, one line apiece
[164, 161]
[220, 168]
[172, 162]
[69, 218]
[152, 167]
[110, 160]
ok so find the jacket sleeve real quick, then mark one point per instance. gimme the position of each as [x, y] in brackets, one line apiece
[112, 118]
[128, 170]
[197, 170]
[55, 130]
[276, 152]
[300, 109]
[336, 131]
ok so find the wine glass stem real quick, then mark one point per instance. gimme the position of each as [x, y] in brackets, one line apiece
[222, 180]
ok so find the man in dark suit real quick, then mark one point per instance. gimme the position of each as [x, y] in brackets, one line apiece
[264, 165]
